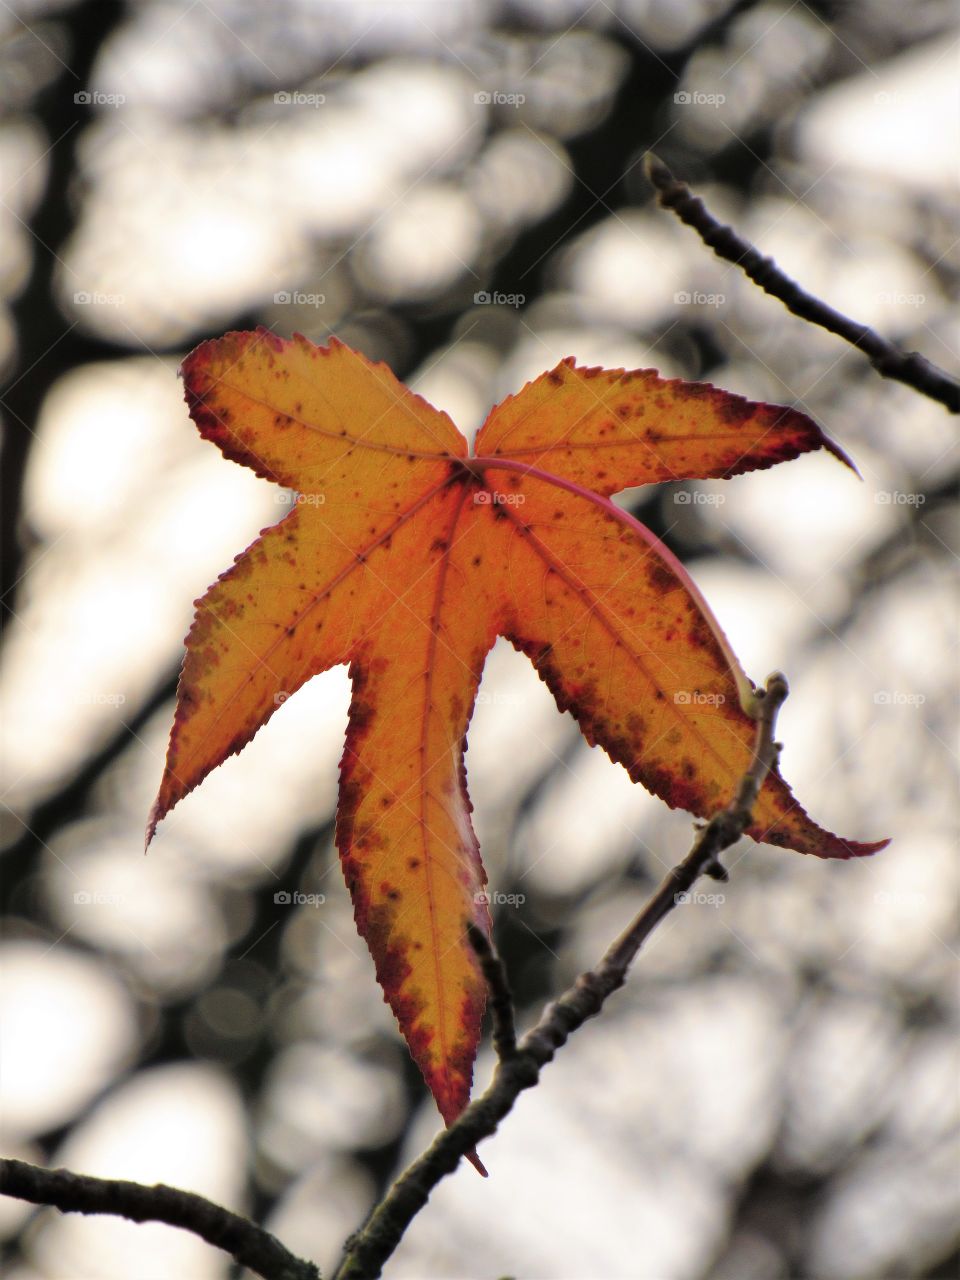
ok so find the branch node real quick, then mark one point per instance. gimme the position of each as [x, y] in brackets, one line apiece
[716, 871]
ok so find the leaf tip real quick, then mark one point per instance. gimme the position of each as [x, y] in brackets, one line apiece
[831, 446]
[860, 849]
[822, 844]
[477, 1163]
[152, 822]
[841, 850]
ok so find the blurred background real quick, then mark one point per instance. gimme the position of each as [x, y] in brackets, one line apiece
[456, 187]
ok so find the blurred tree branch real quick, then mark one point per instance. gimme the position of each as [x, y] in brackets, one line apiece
[48, 343]
[908, 367]
[518, 1068]
[249, 1244]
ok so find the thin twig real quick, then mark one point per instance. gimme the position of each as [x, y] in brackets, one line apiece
[368, 1250]
[249, 1244]
[500, 1003]
[908, 367]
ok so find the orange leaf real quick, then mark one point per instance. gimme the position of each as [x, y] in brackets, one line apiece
[406, 558]
[610, 429]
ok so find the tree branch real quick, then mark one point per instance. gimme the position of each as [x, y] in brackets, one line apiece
[500, 1002]
[369, 1249]
[249, 1244]
[908, 367]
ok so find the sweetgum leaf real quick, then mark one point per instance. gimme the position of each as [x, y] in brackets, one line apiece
[405, 557]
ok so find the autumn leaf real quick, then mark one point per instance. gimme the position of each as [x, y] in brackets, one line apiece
[406, 557]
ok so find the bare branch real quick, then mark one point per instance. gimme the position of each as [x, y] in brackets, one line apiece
[249, 1244]
[908, 367]
[370, 1248]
